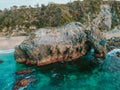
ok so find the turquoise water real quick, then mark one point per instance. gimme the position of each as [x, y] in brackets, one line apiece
[86, 73]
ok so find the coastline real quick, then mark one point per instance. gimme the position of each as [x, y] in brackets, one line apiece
[7, 43]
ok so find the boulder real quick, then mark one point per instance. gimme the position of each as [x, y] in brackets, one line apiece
[69, 42]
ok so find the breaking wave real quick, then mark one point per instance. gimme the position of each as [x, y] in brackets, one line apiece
[7, 51]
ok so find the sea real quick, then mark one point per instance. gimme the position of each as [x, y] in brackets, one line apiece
[85, 73]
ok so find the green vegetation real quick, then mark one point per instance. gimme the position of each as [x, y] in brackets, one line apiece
[115, 9]
[53, 15]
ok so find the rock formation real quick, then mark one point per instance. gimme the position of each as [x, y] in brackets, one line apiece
[69, 42]
[23, 82]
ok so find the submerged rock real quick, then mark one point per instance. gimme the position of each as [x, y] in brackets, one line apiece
[56, 78]
[24, 71]
[1, 61]
[23, 82]
[118, 54]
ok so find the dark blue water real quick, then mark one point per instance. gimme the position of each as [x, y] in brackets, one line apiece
[86, 73]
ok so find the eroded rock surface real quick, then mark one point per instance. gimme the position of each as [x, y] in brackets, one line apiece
[68, 42]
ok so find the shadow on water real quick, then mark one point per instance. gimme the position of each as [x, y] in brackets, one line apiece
[86, 73]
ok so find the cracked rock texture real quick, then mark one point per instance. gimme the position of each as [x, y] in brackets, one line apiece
[68, 42]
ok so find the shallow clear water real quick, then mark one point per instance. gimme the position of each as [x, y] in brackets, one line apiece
[86, 73]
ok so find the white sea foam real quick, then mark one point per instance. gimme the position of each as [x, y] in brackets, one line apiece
[113, 52]
[7, 51]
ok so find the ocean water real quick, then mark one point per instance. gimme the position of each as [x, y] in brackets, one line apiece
[86, 73]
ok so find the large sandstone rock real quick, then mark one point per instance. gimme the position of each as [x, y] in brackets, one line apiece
[69, 42]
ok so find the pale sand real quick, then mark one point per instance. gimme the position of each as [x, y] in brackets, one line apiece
[11, 42]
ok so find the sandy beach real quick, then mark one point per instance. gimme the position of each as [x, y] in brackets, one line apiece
[9, 43]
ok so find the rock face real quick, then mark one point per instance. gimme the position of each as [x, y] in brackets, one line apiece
[68, 42]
